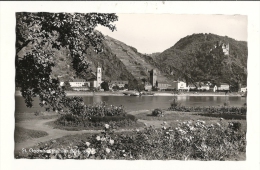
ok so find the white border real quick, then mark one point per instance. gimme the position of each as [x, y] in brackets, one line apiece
[7, 39]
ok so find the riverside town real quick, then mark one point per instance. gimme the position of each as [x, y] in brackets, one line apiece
[98, 86]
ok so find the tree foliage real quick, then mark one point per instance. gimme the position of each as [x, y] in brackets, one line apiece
[38, 34]
[104, 85]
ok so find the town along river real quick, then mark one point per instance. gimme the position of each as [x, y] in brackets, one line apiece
[134, 103]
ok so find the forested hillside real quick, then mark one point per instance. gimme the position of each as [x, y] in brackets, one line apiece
[200, 57]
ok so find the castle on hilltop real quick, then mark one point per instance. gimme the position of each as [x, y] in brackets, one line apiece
[224, 46]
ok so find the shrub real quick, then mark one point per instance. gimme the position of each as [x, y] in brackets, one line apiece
[211, 109]
[112, 118]
[236, 126]
[157, 112]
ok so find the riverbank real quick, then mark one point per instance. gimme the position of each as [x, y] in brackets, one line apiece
[120, 93]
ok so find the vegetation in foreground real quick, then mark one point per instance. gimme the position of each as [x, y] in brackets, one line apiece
[22, 134]
[85, 117]
[185, 136]
[191, 140]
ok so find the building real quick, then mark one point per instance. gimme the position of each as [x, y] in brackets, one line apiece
[99, 77]
[162, 86]
[147, 86]
[79, 85]
[204, 87]
[119, 83]
[225, 48]
[153, 77]
[94, 81]
[215, 88]
[223, 86]
[192, 87]
[243, 89]
[180, 86]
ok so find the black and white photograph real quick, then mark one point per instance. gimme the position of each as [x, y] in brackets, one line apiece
[114, 85]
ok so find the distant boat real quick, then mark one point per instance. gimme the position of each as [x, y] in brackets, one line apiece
[129, 93]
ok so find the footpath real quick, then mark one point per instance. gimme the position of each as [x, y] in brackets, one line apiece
[58, 133]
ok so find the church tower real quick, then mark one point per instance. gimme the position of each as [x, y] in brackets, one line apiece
[153, 77]
[99, 76]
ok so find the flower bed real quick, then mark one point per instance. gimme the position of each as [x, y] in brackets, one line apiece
[191, 140]
[96, 122]
[96, 116]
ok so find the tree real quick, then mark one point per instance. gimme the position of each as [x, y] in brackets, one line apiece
[116, 87]
[104, 85]
[126, 86]
[38, 35]
[67, 86]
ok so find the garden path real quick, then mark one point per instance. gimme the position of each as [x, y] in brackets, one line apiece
[58, 133]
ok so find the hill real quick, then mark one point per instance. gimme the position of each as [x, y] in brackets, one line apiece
[197, 57]
[118, 61]
[201, 57]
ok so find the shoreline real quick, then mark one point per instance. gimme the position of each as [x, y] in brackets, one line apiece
[120, 93]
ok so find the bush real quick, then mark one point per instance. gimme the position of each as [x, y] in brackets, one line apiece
[112, 118]
[211, 109]
[236, 126]
[157, 112]
[115, 121]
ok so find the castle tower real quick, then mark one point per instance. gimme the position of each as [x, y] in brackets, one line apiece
[99, 76]
[153, 77]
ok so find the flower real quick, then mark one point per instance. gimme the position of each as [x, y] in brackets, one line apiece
[163, 127]
[87, 143]
[111, 142]
[124, 155]
[106, 126]
[108, 150]
[98, 138]
[103, 139]
[93, 151]
[88, 150]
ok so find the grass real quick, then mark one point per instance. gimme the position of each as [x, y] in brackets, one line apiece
[78, 128]
[22, 134]
[175, 117]
[35, 115]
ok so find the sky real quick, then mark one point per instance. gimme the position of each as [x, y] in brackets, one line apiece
[150, 33]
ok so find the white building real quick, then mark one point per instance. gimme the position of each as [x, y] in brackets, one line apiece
[77, 83]
[81, 84]
[243, 89]
[119, 83]
[204, 87]
[223, 86]
[180, 85]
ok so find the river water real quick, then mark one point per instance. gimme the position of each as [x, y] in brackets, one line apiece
[133, 103]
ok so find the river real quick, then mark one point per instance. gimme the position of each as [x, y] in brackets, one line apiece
[133, 103]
